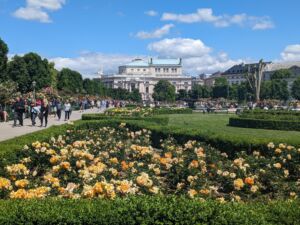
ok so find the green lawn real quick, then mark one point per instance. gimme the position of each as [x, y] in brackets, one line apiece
[216, 125]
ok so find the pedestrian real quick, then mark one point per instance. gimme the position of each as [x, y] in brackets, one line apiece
[3, 114]
[35, 111]
[19, 109]
[44, 112]
[58, 108]
[67, 107]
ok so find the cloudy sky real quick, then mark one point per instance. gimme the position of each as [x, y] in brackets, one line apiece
[209, 35]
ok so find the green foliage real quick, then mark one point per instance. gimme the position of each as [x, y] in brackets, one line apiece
[70, 81]
[221, 88]
[199, 91]
[296, 89]
[38, 70]
[182, 95]
[164, 91]
[3, 60]
[281, 74]
[7, 91]
[17, 70]
[135, 96]
[147, 210]
[273, 119]
[265, 124]
[156, 119]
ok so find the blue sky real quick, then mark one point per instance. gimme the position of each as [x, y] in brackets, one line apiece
[209, 35]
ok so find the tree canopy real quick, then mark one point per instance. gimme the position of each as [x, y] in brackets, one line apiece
[3, 60]
[164, 91]
[296, 89]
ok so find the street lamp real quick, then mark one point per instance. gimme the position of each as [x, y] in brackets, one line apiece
[33, 85]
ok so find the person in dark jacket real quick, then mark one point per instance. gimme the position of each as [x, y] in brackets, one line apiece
[19, 109]
[58, 106]
[44, 112]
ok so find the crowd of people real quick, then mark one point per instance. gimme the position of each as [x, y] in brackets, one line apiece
[40, 109]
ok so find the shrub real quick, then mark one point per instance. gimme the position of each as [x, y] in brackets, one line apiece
[156, 119]
[265, 124]
[147, 210]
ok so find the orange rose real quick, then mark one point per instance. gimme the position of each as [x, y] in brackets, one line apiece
[249, 180]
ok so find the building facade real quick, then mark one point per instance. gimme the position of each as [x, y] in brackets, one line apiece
[143, 75]
[236, 74]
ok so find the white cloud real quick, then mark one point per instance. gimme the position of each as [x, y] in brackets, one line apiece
[179, 47]
[88, 63]
[291, 53]
[151, 13]
[206, 15]
[38, 10]
[197, 57]
[158, 33]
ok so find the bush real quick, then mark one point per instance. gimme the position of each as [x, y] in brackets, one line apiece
[147, 210]
[265, 124]
[159, 120]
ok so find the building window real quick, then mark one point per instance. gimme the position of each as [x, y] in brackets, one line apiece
[147, 90]
[138, 70]
[174, 70]
[166, 70]
[144, 70]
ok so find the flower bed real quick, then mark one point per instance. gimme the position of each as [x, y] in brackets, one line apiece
[116, 162]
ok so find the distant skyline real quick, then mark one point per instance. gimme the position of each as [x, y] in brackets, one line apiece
[210, 35]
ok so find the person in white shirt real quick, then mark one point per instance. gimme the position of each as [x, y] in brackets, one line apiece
[67, 107]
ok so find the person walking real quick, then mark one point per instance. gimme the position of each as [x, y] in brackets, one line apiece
[19, 108]
[35, 111]
[67, 108]
[58, 108]
[44, 112]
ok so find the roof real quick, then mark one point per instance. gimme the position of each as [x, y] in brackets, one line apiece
[159, 62]
[154, 62]
[138, 63]
[281, 65]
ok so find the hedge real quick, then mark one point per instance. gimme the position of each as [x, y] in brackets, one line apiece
[146, 210]
[158, 111]
[272, 112]
[154, 119]
[265, 124]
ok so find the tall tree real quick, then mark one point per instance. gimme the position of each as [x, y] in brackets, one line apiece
[296, 89]
[17, 71]
[38, 70]
[69, 81]
[3, 60]
[254, 78]
[164, 91]
[221, 88]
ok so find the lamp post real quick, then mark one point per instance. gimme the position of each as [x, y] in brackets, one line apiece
[33, 85]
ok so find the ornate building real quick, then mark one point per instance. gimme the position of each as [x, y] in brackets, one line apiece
[143, 75]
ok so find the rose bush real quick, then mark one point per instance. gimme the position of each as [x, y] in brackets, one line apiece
[109, 163]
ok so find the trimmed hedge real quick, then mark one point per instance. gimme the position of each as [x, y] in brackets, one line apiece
[156, 119]
[147, 210]
[159, 111]
[265, 124]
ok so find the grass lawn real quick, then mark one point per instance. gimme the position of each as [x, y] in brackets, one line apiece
[216, 125]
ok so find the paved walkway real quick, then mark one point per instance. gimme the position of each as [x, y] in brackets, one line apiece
[7, 131]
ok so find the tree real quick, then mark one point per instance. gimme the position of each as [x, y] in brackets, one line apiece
[135, 95]
[38, 70]
[281, 74]
[164, 91]
[69, 81]
[182, 94]
[296, 89]
[3, 60]
[221, 88]
[17, 71]
[254, 78]
[7, 91]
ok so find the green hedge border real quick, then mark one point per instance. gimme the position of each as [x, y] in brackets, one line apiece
[147, 210]
[265, 124]
[154, 119]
